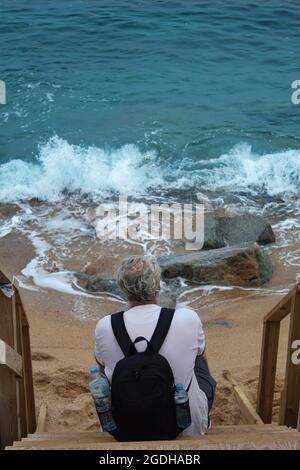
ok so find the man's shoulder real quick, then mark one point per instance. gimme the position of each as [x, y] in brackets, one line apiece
[187, 314]
[103, 324]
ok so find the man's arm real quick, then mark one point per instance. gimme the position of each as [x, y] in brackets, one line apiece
[200, 338]
[98, 343]
[201, 353]
[101, 366]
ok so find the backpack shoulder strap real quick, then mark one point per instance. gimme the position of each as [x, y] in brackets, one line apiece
[162, 328]
[121, 334]
[157, 339]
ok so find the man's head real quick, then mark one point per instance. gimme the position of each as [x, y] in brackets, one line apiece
[139, 279]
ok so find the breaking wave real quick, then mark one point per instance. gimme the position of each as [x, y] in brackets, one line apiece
[61, 168]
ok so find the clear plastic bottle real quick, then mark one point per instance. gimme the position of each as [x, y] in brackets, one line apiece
[100, 389]
[183, 413]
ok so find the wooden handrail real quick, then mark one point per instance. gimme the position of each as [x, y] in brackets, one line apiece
[289, 406]
[10, 358]
[17, 407]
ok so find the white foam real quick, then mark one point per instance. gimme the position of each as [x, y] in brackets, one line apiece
[207, 290]
[36, 277]
[62, 167]
[8, 225]
[241, 168]
[50, 97]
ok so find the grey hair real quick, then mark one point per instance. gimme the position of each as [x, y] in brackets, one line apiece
[139, 278]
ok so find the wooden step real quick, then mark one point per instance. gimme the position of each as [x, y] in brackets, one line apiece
[103, 436]
[221, 437]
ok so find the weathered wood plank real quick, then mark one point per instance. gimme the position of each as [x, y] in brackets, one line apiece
[8, 390]
[41, 423]
[8, 415]
[283, 307]
[27, 366]
[6, 320]
[4, 279]
[279, 312]
[16, 329]
[227, 441]
[241, 428]
[290, 399]
[17, 411]
[10, 358]
[23, 412]
[248, 413]
[267, 373]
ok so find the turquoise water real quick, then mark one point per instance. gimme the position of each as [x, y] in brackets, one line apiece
[132, 95]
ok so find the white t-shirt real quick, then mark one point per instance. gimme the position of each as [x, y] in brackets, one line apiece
[185, 339]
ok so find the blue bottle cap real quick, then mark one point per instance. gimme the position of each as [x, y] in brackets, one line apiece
[179, 387]
[93, 370]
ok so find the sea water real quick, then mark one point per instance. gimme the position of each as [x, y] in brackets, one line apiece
[145, 97]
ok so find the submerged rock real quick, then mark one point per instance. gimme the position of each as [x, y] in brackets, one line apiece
[98, 283]
[8, 210]
[244, 265]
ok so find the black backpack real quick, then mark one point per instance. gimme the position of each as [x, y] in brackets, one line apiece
[142, 386]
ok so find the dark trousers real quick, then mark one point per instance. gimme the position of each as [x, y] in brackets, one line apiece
[205, 381]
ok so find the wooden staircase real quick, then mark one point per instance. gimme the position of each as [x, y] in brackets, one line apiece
[260, 437]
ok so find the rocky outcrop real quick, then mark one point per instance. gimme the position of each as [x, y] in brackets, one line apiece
[229, 231]
[244, 265]
[231, 255]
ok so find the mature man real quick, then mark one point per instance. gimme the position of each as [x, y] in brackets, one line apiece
[139, 279]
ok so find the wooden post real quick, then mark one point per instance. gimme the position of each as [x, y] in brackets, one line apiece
[8, 390]
[23, 398]
[267, 372]
[28, 376]
[289, 406]
[41, 424]
[16, 327]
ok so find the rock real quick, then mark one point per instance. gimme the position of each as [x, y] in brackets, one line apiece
[35, 202]
[8, 210]
[228, 231]
[98, 283]
[244, 265]
[213, 236]
[246, 228]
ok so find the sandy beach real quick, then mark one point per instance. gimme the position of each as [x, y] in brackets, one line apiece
[62, 340]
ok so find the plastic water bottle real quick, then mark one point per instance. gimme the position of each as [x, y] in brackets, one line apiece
[183, 413]
[100, 389]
